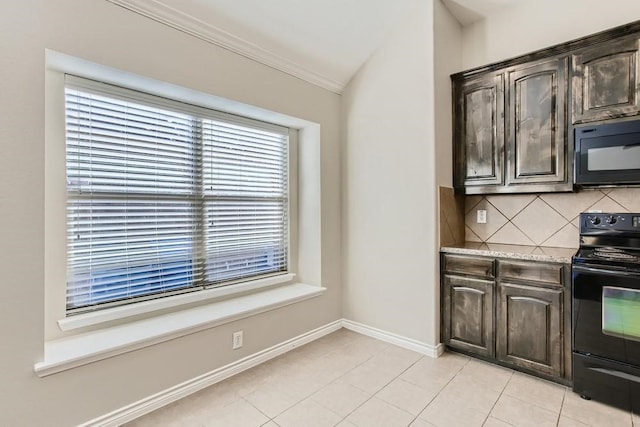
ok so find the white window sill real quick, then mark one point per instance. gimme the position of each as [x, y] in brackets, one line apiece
[125, 311]
[78, 350]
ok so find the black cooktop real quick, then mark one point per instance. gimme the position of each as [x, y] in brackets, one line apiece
[607, 255]
[609, 240]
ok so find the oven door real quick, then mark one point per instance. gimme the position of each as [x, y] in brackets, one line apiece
[606, 313]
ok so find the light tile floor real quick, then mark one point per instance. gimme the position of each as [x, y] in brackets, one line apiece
[346, 379]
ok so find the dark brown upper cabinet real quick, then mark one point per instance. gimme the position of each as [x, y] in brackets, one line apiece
[479, 126]
[605, 81]
[537, 150]
[513, 120]
[510, 130]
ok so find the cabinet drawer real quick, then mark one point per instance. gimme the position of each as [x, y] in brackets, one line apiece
[463, 264]
[535, 271]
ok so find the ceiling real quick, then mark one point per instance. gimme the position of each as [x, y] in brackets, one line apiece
[470, 11]
[322, 41]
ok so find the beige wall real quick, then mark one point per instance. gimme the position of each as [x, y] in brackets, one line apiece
[447, 60]
[532, 25]
[389, 180]
[104, 33]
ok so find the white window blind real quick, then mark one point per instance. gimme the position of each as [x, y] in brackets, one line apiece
[165, 197]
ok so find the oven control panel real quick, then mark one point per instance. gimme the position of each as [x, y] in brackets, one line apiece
[609, 221]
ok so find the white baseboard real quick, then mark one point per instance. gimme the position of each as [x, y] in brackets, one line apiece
[165, 397]
[158, 400]
[391, 338]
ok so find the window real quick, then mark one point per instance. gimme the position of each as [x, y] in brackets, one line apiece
[165, 197]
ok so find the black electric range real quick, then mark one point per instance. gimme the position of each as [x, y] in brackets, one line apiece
[606, 309]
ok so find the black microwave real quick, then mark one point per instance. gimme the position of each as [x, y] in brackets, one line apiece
[607, 154]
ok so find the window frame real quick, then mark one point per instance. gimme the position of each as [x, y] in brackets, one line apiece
[200, 114]
[59, 326]
[313, 224]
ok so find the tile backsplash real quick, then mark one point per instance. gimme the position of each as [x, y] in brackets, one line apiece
[549, 219]
[451, 217]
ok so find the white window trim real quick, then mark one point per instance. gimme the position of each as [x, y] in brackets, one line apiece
[232, 285]
[120, 312]
[84, 338]
[67, 353]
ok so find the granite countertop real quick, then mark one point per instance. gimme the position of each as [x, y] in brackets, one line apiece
[532, 253]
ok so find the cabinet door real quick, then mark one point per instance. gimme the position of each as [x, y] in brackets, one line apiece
[467, 314]
[529, 332]
[605, 81]
[479, 132]
[536, 122]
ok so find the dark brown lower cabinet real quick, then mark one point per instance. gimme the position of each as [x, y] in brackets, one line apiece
[512, 312]
[468, 314]
[529, 327]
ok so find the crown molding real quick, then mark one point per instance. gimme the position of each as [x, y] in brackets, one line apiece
[186, 23]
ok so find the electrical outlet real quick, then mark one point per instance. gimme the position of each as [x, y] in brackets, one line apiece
[481, 216]
[237, 340]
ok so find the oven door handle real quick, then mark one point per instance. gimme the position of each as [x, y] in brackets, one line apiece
[609, 271]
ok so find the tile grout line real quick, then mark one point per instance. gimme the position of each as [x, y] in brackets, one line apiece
[343, 375]
[521, 230]
[525, 234]
[567, 390]
[307, 396]
[474, 205]
[597, 201]
[374, 394]
[626, 207]
[439, 391]
[498, 399]
[561, 228]
[466, 227]
[496, 232]
[517, 213]
[561, 407]
[453, 235]
[509, 220]
[558, 212]
[331, 382]
[569, 221]
[535, 404]
[258, 409]
[398, 377]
